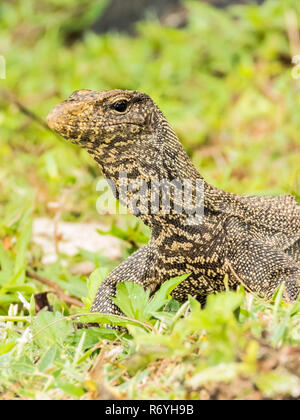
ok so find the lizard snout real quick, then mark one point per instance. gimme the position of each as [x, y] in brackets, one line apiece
[63, 119]
[56, 118]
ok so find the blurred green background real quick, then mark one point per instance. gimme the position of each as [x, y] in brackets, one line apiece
[224, 79]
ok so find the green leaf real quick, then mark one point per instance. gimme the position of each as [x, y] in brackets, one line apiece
[132, 234]
[119, 320]
[93, 283]
[161, 297]
[224, 372]
[273, 383]
[32, 307]
[24, 365]
[71, 389]
[278, 298]
[195, 305]
[95, 279]
[6, 347]
[50, 329]
[47, 359]
[132, 299]
[279, 330]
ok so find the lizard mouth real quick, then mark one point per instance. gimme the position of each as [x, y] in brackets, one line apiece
[61, 124]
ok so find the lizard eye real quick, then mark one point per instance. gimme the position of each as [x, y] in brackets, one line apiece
[120, 106]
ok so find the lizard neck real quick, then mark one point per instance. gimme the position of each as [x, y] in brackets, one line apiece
[156, 182]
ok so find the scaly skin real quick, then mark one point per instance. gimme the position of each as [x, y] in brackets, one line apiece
[253, 240]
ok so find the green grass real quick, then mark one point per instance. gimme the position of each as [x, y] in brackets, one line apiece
[225, 84]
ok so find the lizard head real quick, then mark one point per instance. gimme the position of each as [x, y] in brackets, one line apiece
[123, 130]
[126, 133]
[104, 122]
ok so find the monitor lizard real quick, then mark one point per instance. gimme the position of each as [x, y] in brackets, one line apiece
[249, 240]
